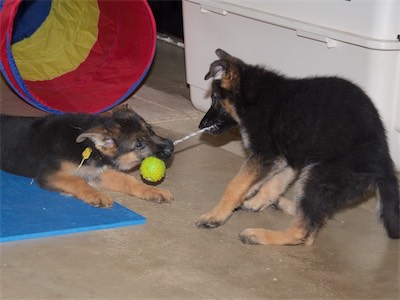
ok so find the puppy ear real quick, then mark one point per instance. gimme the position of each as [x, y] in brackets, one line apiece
[100, 140]
[222, 54]
[217, 70]
[223, 66]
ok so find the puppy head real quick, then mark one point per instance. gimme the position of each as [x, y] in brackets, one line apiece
[224, 93]
[126, 139]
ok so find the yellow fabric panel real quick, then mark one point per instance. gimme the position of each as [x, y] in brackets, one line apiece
[61, 43]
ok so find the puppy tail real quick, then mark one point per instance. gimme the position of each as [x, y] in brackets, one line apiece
[388, 195]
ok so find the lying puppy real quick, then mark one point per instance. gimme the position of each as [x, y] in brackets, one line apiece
[325, 132]
[50, 149]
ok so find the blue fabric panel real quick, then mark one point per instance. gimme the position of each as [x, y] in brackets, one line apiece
[30, 16]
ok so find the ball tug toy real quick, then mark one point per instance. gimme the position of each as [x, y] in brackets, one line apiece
[153, 169]
[192, 134]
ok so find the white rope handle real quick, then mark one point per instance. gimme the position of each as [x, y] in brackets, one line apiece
[192, 134]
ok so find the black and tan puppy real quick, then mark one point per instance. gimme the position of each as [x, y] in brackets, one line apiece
[49, 149]
[325, 132]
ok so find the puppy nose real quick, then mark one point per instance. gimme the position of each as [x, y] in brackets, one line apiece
[205, 123]
[167, 149]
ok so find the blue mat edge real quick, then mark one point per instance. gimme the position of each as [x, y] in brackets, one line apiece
[22, 237]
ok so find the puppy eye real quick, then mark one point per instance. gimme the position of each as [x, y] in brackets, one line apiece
[140, 145]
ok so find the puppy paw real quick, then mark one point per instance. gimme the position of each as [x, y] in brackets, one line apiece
[257, 203]
[99, 200]
[252, 206]
[159, 195]
[210, 221]
[250, 236]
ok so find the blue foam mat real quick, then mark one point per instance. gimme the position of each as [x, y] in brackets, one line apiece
[27, 212]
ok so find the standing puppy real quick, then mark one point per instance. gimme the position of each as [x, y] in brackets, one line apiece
[74, 153]
[323, 131]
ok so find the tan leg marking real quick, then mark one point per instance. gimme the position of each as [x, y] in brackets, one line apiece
[233, 197]
[270, 191]
[78, 187]
[294, 235]
[286, 205]
[127, 184]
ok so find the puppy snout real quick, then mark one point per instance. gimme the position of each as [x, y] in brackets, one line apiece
[166, 149]
[205, 123]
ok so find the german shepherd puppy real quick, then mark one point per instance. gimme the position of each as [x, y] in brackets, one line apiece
[323, 131]
[50, 149]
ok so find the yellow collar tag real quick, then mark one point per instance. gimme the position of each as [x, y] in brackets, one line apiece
[86, 153]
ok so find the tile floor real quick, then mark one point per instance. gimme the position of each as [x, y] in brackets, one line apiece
[169, 258]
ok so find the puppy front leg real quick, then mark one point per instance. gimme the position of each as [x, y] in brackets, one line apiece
[78, 187]
[233, 197]
[127, 184]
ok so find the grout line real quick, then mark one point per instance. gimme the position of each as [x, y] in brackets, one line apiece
[194, 113]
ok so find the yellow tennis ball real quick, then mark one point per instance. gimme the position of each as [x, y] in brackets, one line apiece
[152, 169]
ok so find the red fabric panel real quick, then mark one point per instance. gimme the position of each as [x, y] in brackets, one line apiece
[115, 66]
[7, 14]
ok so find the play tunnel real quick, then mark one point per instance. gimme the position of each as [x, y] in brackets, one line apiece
[75, 55]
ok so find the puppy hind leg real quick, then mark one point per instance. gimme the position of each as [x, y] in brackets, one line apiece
[302, 230]
[327, 188]
[270, 191]
[286, 205]
[296, 234]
